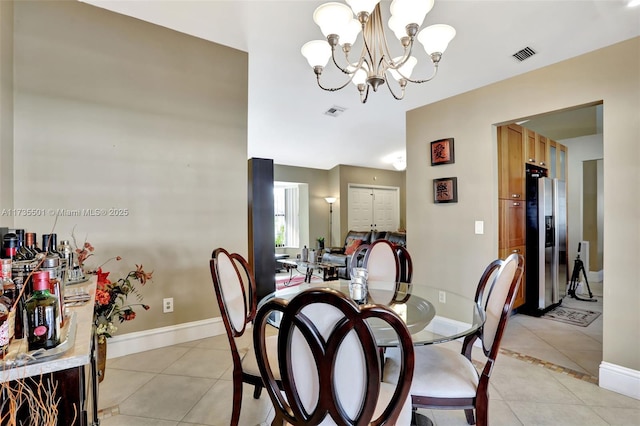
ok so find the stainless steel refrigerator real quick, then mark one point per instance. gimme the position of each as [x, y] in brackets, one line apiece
[546, 251]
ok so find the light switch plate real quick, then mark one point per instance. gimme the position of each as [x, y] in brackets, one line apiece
[479, 227]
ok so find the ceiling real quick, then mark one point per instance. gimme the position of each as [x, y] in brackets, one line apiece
[286, 120]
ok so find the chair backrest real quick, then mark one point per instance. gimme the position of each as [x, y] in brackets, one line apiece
[487, 278]
[329, 361]
[231, 292]
[406, 264]
[248, 283]
[500, 301]
[382, 262]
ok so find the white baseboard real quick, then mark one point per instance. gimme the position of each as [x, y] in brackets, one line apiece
[141, 341]
[620, 379]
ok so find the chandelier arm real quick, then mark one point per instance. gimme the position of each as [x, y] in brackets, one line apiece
[366, 95]
[435, 72]
[333, 57]
[396, 97]
[333, 89]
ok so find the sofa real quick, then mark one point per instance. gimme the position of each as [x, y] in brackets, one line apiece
[342, 255]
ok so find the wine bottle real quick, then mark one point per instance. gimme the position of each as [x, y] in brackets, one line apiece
[9, 245]
[30, 241]
[42, 315]
[9, 295]
[4, 330]
[24, 252]
[50, 243]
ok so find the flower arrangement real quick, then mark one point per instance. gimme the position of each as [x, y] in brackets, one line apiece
[111, 299]
[111, 303]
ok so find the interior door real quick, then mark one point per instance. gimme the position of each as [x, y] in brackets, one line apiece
[385, 210]
[373, 208]
[360, 209]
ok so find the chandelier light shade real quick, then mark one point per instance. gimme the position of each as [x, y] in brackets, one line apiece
[373, 67]
[436, 38]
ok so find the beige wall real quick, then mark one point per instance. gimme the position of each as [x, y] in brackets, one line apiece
[113, 112]
[6, 110]
[442, 236]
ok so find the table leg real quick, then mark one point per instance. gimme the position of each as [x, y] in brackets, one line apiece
[290, 276]
[418, 419]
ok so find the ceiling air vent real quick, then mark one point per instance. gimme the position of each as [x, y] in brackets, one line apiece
[525, 53]
[335, 111]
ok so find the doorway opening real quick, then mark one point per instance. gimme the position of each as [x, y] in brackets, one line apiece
[578, 349]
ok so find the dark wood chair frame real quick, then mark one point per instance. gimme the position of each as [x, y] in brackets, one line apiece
[250, 303]
[291, 409]
[481, 401]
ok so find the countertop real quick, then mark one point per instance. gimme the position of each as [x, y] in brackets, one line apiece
[78, 354]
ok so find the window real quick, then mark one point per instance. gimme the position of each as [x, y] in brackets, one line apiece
[286, 215]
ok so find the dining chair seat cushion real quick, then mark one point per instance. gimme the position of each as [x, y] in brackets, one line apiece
[386, 393]
[250, 365]
[438, 373]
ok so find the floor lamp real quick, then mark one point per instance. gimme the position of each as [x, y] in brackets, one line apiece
[330, 200]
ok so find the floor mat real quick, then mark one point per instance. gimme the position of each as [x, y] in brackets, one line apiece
[575, 316]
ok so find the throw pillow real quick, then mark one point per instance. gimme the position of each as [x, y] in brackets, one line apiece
[352, 245]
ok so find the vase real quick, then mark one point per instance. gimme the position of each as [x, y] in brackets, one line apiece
[102, 359]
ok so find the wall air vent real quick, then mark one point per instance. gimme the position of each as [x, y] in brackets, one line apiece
[525, 53]
[335, 111]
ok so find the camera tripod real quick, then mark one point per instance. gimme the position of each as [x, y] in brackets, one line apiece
[578, 267]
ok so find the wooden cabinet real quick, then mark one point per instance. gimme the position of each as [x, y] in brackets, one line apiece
[511, 162]
[73, 374]
[536, 149]
[557, 160]
[512, 230]
[513, 142]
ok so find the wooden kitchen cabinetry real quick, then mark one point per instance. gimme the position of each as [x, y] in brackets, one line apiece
[511, 162]
[512, 232]
[517, 147]
[511, 194]
[536, 149]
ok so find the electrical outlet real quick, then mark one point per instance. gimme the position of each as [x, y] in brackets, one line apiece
[442, 297]
[479, 227]
[167, 305]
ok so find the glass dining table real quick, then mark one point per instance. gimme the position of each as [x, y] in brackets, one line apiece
[432, 315]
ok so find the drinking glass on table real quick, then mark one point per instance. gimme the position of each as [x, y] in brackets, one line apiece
[358, 285]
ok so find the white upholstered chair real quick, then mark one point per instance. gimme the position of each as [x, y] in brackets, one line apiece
[385, 262]
[329, 363]
[235, 290]
[444, 379]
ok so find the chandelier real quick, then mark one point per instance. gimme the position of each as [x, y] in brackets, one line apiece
[375, 63]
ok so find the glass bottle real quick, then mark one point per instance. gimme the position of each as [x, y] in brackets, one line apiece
[30, 241]
[51, 264]
[9, 245]
[4, 330]
[50, 243]
[42, 315]
[21, 250]
[9, 295]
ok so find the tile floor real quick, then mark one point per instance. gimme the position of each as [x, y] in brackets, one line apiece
[190, 384]
[570, 346]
